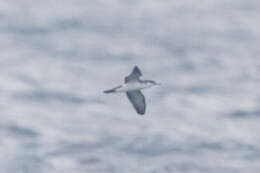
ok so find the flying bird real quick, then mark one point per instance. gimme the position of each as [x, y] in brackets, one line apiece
[132, 87]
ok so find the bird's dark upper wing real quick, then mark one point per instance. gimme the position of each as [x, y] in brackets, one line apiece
[138, 101]
[134, 76]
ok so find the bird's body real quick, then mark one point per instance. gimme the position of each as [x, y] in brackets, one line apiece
[132, 87]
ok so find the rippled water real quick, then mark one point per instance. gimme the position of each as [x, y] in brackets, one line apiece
[58, 56]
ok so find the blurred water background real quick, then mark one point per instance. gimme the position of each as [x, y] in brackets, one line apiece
[58, 56]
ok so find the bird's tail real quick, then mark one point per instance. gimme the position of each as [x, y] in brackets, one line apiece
[112, 90]
[109, 91]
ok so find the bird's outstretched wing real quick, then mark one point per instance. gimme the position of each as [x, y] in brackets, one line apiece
[134, 76]
[138, 101]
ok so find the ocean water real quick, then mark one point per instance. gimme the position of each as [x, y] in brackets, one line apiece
[57, 57]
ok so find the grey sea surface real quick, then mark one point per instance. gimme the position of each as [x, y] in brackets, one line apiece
[57, 57]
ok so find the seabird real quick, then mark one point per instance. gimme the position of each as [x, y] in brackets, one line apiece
[132, 87]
